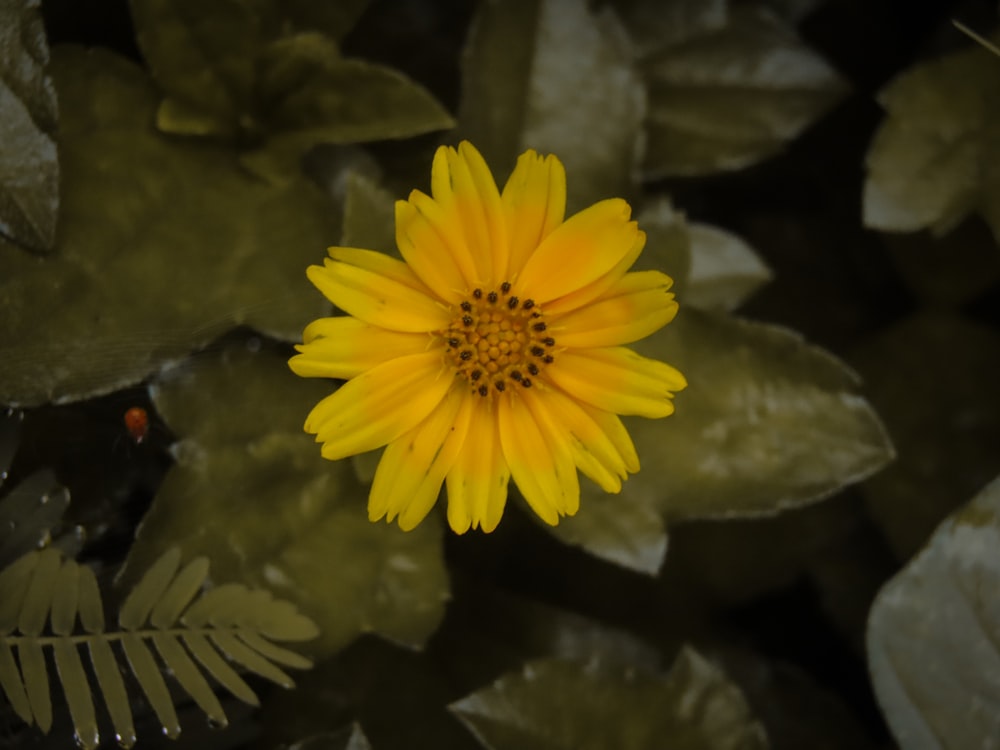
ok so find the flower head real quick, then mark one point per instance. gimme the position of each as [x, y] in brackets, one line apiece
[495, 351]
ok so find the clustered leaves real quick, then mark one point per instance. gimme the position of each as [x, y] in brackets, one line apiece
[156, 218]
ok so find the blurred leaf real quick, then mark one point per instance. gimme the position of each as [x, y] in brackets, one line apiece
[722, 98]
[933, 379]
[29, 164]
[348, 738]
[653, 23]
[186, 246]
[369, 216]
[932, 635]
[725, 270]
[767, 422]
[552, 76]
[554, 704]
[668, 243]
[267, 77]
[933, 160]
[251, 492]
[28, 513]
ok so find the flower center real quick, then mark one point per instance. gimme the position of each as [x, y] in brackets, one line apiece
[498, 341]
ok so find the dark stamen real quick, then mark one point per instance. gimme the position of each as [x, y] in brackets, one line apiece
[453, 343]
[532, 368]
[483, 390]
[478, 294]
[536, 315]
[528, 304]
[512, 303]
[505, 287]
[500, 386]
[467, 320]
[475, 375]
[467, 306]
[526, 382]
[549, 341]
[492, 297]
[547, 359]
[515, 375]
[465, 356]
[539, 326]
[537, 351]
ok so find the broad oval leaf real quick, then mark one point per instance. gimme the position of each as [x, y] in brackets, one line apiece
[534, 71]
[932, 635]
[933, 160]
[767, 422]
[725, 270]
[724, 97]
[157, 217]
[551, 705]
[29, 164]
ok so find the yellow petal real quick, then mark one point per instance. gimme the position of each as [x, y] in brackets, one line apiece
[595, 289]
[618, 380]
[617, 433]
[448, 231]
[377, 298]
[539, 462]
[345, 347]
[379, 405]
[579, 251]
[592, 450]
[477, 483]
[413, 467]
[534, 203]
[471, 202]
[631, 309]
[428, 253]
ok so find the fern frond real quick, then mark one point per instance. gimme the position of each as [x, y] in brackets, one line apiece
[194, 634]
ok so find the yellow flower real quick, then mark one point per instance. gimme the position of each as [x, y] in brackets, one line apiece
[495, 351]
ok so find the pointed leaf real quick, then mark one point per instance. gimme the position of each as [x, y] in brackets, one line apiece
[14, 580]
[13, 687]
[246, 657]
[520, 90]
[65, 596]
[38, 598]
[932, 161]
[216, 666]
[754, 65]
[767, 422]
[179, 593]
[147, 672]
[149, 591]
[189, 676]
[90, 604]
[725, 270]
[109, 679]
[933, 648]
[29, 164]
[29, 513]
[36, 681]
[77, 690]
[553, 704]
[272, 652]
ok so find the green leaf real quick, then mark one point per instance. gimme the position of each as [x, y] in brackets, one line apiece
[204, 54]
[186, 243]
[244, 450]
[932, 161]
[767, 422]
[29, 512]
[944, 415]
[652, 23]
[725, 270]
[725, 97]
[932, 635]
[554, 704]
[553, 76]
[29, 164]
